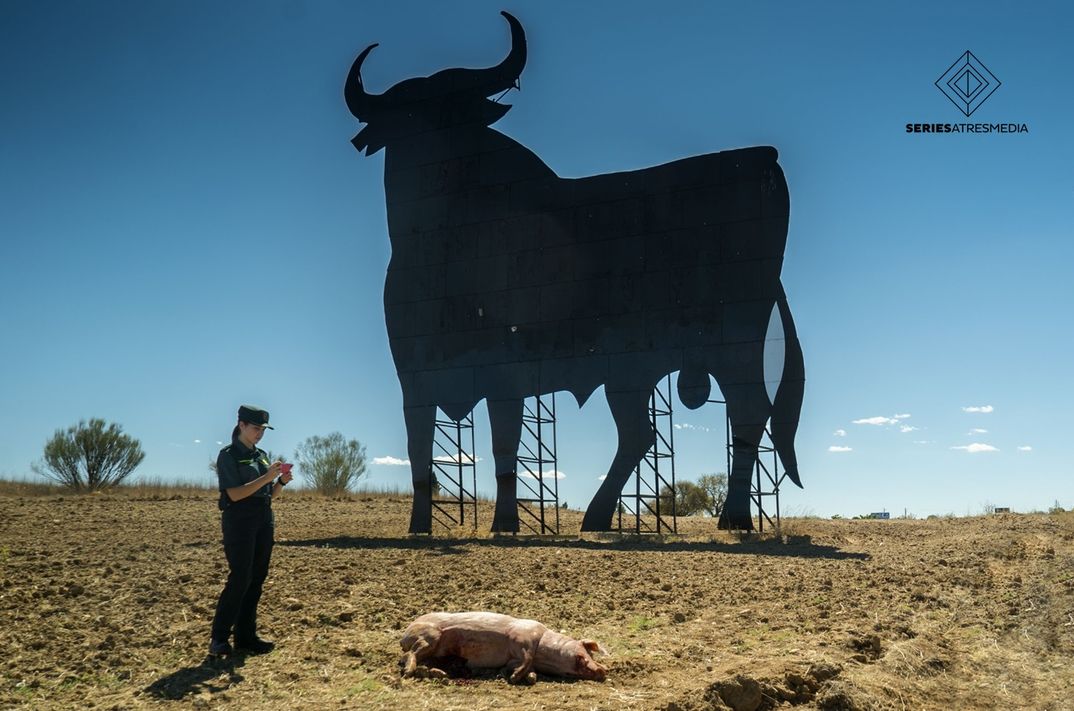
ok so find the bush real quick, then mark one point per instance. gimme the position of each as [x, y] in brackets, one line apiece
[331, 464]
[90, 456]
[707, 496]
[689, 499]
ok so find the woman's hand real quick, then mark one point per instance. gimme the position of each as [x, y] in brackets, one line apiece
[285, 472]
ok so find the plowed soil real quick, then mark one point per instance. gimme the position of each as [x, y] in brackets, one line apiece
[106, 601]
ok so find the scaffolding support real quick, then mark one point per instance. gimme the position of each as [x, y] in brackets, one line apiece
[654, 474]
[537, 476]
[452, 470]
[772, 478]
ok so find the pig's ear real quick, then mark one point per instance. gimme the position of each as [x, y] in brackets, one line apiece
[592, 646]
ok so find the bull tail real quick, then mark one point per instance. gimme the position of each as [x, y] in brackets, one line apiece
[788, 404]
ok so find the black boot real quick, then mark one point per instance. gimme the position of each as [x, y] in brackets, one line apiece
[254, 645]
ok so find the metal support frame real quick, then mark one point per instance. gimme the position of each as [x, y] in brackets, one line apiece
[450, 496]
[536, 464]
[772, 478]
[651, 476]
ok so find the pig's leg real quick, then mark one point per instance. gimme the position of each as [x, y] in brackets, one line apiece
[423, 647]
[523, 673]
[525, 657]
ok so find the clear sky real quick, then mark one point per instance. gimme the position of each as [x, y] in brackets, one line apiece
[184, 225]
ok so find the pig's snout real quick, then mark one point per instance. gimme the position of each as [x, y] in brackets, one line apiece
[595, 671]
[586, 668]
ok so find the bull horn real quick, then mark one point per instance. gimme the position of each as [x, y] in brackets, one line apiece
[504, 75]
[358, 101]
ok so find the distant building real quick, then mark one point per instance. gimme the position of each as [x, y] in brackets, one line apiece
[1002, 509]
[880, 514]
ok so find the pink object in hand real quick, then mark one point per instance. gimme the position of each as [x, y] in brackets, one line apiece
[285, 468]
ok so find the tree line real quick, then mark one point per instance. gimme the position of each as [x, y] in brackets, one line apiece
[95, 455]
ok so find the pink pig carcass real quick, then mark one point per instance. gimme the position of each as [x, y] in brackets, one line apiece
[488, 640]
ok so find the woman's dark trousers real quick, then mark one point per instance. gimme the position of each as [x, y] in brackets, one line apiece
[248, 530]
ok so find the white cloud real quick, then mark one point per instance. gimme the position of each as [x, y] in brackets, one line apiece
[197, 441]
[836, 448]
[1025, 448]
[391, 461]
[546, 475]
[876, 421]
[902, 417]
[220, 443]
[977, 430]
[907, 428]
[840, 433]
[978, 408]
[976, 447]
[688, 426]
[602, 477]
[922, 441]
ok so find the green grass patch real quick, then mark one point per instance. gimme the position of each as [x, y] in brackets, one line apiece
[640, 623]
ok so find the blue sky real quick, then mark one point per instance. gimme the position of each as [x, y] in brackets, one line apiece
[185, 226]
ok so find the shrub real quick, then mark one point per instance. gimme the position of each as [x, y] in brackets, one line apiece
[715, 487]
[689, 499]
[90, 456]
[331, 464]
[707, 496]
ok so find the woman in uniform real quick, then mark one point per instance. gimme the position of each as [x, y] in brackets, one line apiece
[248, 482]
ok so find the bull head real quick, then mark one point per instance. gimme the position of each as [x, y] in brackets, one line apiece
[451, 97]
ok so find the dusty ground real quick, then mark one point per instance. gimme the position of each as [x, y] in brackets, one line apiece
[105, 602]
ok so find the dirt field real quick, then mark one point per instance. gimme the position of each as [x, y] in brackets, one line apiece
[105, 602]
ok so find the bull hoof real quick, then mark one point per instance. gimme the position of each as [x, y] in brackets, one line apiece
[735, 522]
[596, 523]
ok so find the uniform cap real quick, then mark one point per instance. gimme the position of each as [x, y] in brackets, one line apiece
[254, 415]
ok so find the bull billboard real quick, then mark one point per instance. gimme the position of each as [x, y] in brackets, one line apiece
[507, 281]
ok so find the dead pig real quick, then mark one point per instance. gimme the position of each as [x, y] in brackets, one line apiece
[488, 640]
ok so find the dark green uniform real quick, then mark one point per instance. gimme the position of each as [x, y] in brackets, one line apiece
[248, 527]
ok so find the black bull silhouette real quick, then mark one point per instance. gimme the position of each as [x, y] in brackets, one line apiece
[507, 281]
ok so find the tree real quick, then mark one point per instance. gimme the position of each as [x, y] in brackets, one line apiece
[707, 496]
[90, 456]
[331, 464]
[689, 499]
[715, 487]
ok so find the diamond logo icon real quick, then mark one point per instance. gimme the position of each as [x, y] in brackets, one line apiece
[967, 83]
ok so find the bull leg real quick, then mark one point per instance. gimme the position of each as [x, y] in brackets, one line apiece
[420, 422]
[630, 410]
[747, 406]
[505, 418]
